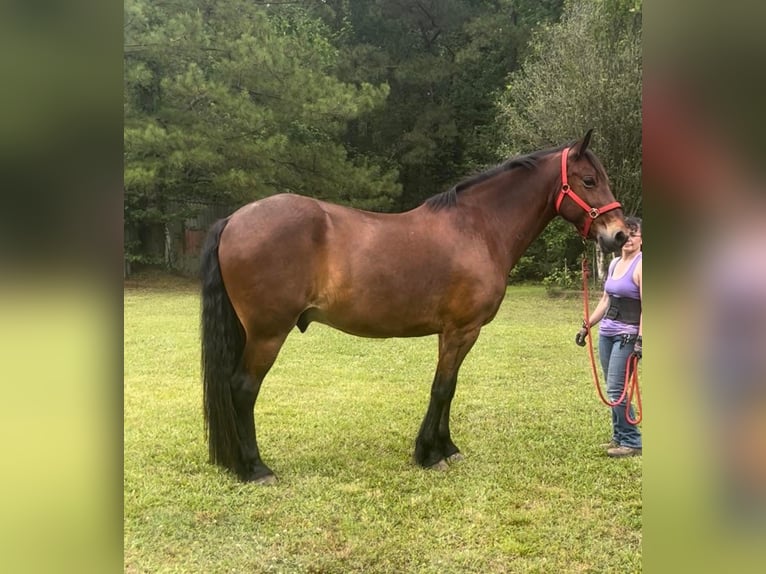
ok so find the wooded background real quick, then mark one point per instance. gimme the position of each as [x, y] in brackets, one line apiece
[378, 104]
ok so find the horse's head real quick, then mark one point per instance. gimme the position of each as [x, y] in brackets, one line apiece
[586, 200]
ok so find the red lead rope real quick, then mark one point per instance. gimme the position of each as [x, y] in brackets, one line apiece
[630, 388]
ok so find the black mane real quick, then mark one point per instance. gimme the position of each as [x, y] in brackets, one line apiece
[448, 199]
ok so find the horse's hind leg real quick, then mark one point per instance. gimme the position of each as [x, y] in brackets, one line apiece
[258, 358]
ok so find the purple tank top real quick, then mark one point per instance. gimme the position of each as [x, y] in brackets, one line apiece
[621, 287]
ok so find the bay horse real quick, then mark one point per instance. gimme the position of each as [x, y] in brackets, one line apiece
[441, 268]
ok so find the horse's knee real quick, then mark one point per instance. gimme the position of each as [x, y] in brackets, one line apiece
[443, 388]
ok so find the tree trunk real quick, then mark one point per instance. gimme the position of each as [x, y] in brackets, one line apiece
[602, 265]
[168, 248]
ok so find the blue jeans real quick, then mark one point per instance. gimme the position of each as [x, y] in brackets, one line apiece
[614, 356]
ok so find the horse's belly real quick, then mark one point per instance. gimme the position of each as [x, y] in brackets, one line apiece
[406, 310]
[376, 323]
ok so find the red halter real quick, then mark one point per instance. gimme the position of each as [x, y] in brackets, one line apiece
[593, 212]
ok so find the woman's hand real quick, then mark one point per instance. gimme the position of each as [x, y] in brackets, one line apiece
[638, 350]
[581, 335]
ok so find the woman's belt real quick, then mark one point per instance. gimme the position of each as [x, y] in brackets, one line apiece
[624, 309]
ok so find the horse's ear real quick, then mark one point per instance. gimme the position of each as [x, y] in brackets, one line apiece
[582, 145]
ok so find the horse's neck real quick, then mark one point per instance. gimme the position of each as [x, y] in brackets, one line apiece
[516, 206]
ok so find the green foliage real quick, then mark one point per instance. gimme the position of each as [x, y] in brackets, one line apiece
[230, 101]
[446, 63]
[378, 104]
[562, 279]
[524, 270]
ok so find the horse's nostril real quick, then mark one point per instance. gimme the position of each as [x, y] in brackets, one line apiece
[621, 238]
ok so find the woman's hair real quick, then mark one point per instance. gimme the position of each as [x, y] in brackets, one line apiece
[634, 224]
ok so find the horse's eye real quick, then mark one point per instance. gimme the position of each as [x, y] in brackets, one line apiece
[589, 181]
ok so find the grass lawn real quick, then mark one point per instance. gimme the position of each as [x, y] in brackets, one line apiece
[337, 418]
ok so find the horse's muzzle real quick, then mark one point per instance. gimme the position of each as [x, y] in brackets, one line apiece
[610, 242]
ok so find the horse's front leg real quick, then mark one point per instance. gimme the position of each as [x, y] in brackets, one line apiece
[451, 452]
[434, 446]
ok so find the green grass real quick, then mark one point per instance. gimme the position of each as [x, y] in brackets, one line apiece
[337, 418]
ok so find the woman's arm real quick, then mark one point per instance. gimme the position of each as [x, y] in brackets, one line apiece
[598, 312]
[638, 278]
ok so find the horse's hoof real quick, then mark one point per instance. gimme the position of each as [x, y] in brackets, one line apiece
[441, 466]
[266, 479]
[456, 457]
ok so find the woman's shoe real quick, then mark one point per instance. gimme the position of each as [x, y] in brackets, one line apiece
[622, 451]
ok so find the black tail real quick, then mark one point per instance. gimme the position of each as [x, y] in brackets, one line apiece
[223, 342]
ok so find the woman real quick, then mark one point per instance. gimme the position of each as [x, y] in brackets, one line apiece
[620, 336]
